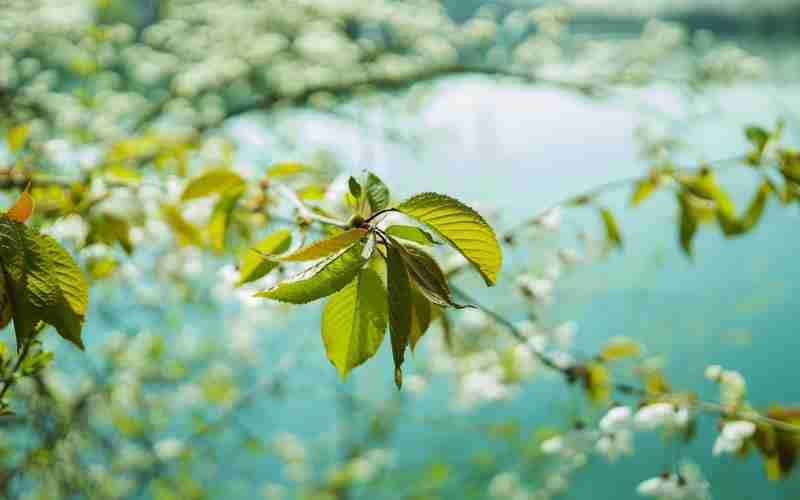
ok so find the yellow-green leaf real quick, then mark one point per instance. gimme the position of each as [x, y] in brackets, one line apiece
[216, 181]
[613, 233]
[323, 248]
[643, 190]
[220, 218]
[186, 233]
[620, 348]
[460, 226]
[597, 383]
[252, 264]
[43, 282]
[377, 193]
[286, 169]
[354, 321]
[688, 223]
[320, 280]
[411, 233]
[16, 137]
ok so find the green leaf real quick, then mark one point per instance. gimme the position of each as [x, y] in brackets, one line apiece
[186, 233]
[400, 308]
[43, 282]
[354, 321]
[323, 248]
[324, 278]
[221, 216]
[643, 190]
[110, 229]
[426, 274]
[689, 223]
[216, 181]
[286, 169]
[421, 312]
[377, 193]
[758, 137]
[355, 188]
[252, 264]
[16, 137]
[732, 226]
[613, 233]
[462, 227]
[620, 348]
[411, 233]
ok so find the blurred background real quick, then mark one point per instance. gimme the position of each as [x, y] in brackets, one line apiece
[198, 390]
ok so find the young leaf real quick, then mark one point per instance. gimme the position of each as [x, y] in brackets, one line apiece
[322, 248]
[323, 279]
[758, 137]
[16, 137]
[401, 307]
[354, 321]
[22, 209]
[460, 226]
[688, 223]
[286, 169]
[613, 233]
[220, 218]
[377, 193]
[411, 233]
[597, 382]
[620, 348]
[355, 188]
[252, 264]
[43, 282]
[186, 233]
[643, 190]
[426, 274]
[216, 181]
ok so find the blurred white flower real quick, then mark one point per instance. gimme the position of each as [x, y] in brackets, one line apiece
[550, 220]
[613, 445]
[617, 418]
[733, 436]
[713, 372]
[168, 449]
[657, 415]
[553, 445]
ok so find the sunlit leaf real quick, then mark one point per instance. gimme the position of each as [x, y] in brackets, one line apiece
[17, 136]
[323, 248]
[212, 182]
[411, 233]
[323, 279]
[643, 190]
[220, 218]
[377, 193]
[252, 263]
[460, 226]
[597, 382]
[286, 169]
[186, 233]
[354, 321]
[43, 282]
[620, 348]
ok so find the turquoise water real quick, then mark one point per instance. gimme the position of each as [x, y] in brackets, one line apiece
[517, 151]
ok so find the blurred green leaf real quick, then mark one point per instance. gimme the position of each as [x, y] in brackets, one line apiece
[252, 264]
